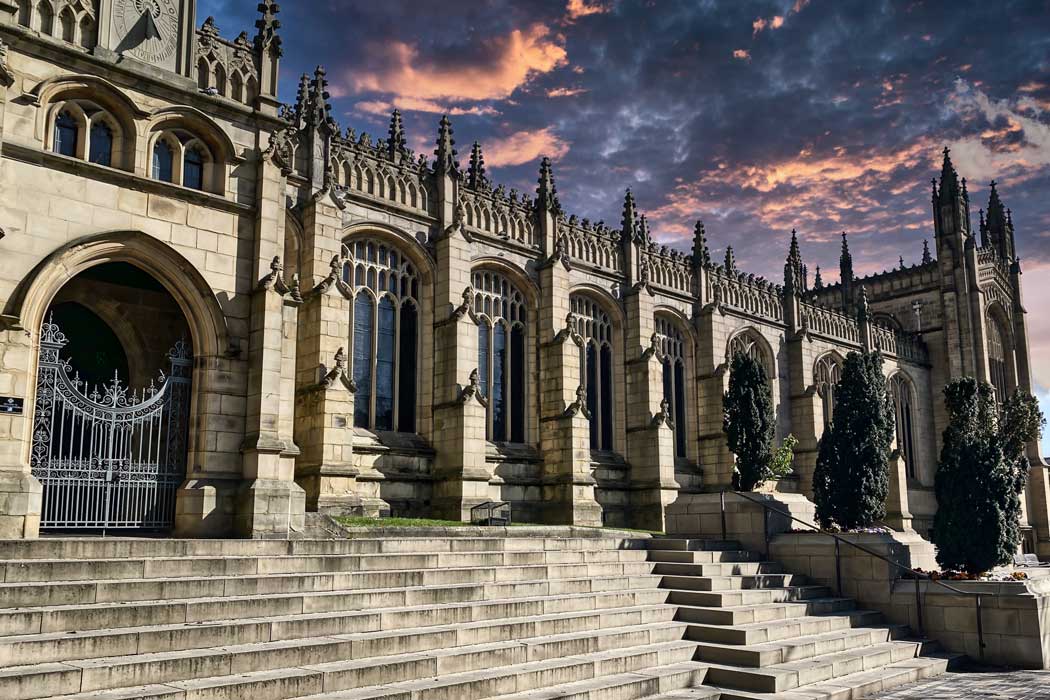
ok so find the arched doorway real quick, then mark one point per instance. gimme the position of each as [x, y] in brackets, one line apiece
[112, 402]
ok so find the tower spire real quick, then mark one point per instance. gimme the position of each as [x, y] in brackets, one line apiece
[926, 257]
[846, 273]
[546, 192]
[701, 253]
[476, 178]
[445, 153]
[395, 142]
[793, 275]
[818, 282]
[730, 261]
[628, 224]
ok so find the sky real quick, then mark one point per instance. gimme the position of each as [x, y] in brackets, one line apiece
[757, 116]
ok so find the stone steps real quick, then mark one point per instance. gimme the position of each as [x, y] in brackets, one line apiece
[16, 595]
[370, 654]
[49, 570]
[705, 557]
[732, 582]
[717, 568]
[479, 671]
[771, 635]
[765, 632]
[510, 599]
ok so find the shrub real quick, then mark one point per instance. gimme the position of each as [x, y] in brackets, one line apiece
[851, 480]
[981, 475]
[782, 458]
[748, 421]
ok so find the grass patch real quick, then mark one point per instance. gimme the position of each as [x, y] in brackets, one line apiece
[361, 521]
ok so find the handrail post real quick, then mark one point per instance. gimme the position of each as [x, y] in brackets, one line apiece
[980, 629]
[838, 569]
[722, 502]
[918, 609]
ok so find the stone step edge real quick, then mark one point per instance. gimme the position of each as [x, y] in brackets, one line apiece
[776, 671]
[577, 688]
[203, 600]
[896, 673]
[445, 680]
[756, 626]
[316, 574]
[794, 643]
[282, 619]
[277, 645]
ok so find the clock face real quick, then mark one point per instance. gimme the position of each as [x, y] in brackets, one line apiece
[148, 29]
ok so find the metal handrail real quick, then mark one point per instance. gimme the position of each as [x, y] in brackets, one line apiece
[768, 508]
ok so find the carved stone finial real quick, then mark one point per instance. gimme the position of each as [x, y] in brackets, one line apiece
[337, 372]
[579, 406]
[266, 38]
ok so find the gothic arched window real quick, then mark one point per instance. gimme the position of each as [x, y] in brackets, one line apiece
[193, 169]
[596, 368]
[384, 332]
[163, 161]
[66, 134]
[997, 359]
[101, 151]
[749, 344]
[826, 376]
[502, 318]
[672, 346]
[903, 401]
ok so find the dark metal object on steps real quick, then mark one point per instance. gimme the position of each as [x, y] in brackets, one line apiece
[491, 513]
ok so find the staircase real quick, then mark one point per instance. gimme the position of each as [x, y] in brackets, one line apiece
[443, 618]
[764, 633]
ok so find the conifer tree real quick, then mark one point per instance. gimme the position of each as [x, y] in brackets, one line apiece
[748, 421]
[851, 480]
[981, 475]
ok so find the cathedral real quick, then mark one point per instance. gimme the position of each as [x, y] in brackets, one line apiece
[219, 312]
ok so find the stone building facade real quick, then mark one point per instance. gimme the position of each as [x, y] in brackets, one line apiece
[358, 328]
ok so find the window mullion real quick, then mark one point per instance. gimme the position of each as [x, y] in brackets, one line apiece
[375, 363]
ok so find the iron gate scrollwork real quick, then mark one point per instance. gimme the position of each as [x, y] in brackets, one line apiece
[109, 457]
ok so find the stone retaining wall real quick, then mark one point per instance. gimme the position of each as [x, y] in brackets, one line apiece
[1015, 616]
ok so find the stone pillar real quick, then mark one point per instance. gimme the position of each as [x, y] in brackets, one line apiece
[650, 435]
[270, 503]
[565, 431]
[898, 515]
[462, 474]
[807, 412]
[20, 492]
[712, 370]
[324, 400]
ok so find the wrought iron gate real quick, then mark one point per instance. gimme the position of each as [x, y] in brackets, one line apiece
[108, 457]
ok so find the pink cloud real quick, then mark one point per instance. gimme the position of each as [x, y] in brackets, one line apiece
[414, 104]
[515, 58]
[524, 147]
[581, 8]
[742, 54]
[565, 92]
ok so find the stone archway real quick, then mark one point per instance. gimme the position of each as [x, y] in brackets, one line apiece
[204, 502]
[113, 390]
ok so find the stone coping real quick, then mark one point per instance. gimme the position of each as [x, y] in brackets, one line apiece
[484, 531]
[1033, 587]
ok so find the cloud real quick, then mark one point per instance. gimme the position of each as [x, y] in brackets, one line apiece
[742, 54]
[760, 24]
[581, 8]
[799, 5]
[1005, 141]
[414, 104]
[565, 92]
[511, 61]
[524, 147]
[1035, 285]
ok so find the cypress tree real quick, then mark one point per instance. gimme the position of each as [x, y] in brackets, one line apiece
[851, 480]
[748, 421]
[981, 475]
